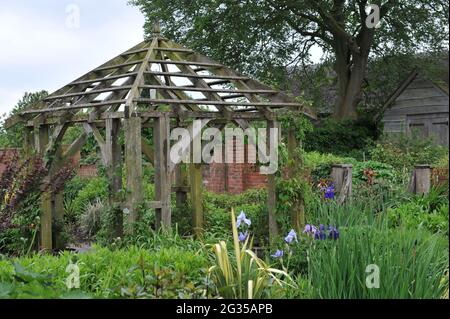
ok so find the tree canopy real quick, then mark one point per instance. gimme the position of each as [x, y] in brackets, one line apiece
[14, 137]
[264, 37]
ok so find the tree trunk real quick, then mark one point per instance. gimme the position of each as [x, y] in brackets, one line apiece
[350, 67]
[350, 81]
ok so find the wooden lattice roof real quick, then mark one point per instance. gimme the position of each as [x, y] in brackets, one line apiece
[160, 72]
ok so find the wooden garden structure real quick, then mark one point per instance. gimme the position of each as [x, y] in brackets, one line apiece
[156, 85]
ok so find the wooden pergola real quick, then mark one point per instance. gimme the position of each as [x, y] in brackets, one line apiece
[157, 84]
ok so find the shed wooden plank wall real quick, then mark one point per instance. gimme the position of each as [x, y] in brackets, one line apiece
[423, 107]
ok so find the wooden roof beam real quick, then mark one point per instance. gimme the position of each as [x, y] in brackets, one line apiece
[179, 50]
[109, 78]
[223, 103]
[197, 89]
[118, 66]
[197, 76]
[130, 104]
[175, 62]
[253, 84]
[92, 92]
[73, 107]
[226, 111]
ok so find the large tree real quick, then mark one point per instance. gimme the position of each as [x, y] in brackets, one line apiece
[14, 136]
[262, 37]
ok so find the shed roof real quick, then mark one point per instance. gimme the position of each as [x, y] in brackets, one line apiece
[404, 85]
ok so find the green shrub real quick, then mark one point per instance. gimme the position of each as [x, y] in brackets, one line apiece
[404, 151]
[341, 137]
[320, 164]
[95, 188]
[383, 172]
[169, 272]
[429, 212]
[412, 264]
[442, 161]
[218, 206]
[18, 240]
[91, 218]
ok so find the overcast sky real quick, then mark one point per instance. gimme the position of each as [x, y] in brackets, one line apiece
[43, 47]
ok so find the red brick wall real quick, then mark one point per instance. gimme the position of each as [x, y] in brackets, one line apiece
[234, 178]
[218, 178]
[87, 171]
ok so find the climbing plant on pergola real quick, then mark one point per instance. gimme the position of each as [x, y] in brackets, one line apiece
[157, 84]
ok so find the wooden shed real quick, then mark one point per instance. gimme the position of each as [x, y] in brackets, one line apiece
[418, 105]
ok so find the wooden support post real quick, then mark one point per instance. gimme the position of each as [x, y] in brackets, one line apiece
[28, 142]
[196, 198]
[180, 182]
[421, 179]
[46, 243]
[163, 187]
[113, 166]
[341, 176]
[58, 203]
[271, 192]
[298, 208]
[226, 185]
[134, 175]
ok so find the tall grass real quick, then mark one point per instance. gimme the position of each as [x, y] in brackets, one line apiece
[411, 264]
[354, 213]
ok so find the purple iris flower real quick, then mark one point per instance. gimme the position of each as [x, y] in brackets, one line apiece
[333, 233]
[329, 192]
[320, 234]
[291, 236]
[308, 229]
[243, 219]
[243, 236]
[278, 254]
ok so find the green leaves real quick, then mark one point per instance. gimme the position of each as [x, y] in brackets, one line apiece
[266, 38]
[14, 136]
[243, 275]
[23, 275]
[173, 271]
[404, 151]
[6, 289]
[412, 265]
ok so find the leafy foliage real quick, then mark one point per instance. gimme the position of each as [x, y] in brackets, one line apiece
[169, 272]
[411, 264]
[344, 138]
[95, 188]
[20, 186]
[422, 212]
[218, 207]
[403, 151]
[14, 137]
[242, 275]
[263, 38]
[91, 218]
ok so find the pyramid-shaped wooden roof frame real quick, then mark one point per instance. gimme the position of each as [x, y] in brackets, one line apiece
[161, 72]
[153, 84]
